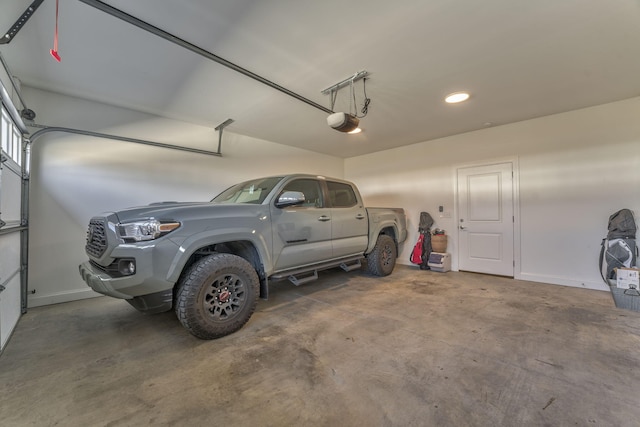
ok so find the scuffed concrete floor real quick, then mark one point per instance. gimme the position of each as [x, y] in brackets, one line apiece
[417, 348]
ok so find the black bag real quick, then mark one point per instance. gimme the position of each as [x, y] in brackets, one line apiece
[425, 229]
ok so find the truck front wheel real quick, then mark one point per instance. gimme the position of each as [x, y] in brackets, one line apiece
[217, 296]
[382, 259]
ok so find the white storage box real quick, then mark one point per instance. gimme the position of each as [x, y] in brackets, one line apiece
[627, 278]
[625, 291]
[439, 261]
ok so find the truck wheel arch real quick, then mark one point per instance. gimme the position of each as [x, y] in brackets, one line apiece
[242, 248]
[389, 230]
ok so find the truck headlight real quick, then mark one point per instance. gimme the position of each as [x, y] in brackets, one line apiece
[145, 230]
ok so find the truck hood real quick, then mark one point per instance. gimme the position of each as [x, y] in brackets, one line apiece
[182, 211]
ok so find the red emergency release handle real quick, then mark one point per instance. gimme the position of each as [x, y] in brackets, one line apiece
[54, 51]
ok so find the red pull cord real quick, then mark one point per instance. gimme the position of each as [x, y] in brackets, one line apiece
[54, 51]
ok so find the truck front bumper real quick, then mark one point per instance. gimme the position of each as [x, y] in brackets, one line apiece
[128, 288]
[102, 283]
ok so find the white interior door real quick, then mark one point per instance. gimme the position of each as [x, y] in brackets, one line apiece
[486, 219]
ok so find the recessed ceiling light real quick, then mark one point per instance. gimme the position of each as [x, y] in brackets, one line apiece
[356, 130]
[455, 97]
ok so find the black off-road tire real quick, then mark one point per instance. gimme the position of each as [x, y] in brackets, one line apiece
[217, 296]
[382, 260]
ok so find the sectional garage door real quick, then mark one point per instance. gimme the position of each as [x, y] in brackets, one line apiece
[12, 227]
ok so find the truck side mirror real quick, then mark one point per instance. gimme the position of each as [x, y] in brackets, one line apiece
[290, 198]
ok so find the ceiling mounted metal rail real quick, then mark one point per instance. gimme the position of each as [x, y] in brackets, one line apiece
[220, 128]
[346, 82]
[11, 34]
[45, 129]
[193, 48]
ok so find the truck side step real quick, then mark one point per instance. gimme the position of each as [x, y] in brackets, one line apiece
[303, 271]
[349, 267]
[301, 281]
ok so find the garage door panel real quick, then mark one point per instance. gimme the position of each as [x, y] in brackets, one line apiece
[10, 259]
[10, 307]
[10, 194]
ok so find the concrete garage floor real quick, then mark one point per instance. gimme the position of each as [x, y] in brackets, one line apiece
[417, 348]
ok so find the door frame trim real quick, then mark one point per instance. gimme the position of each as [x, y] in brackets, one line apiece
[455, 263]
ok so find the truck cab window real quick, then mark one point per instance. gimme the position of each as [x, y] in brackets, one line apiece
[311, 190]
[341, 195]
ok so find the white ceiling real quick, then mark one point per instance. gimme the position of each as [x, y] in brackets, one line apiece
[519, 59]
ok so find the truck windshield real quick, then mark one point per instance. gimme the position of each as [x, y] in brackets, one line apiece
[248, 192]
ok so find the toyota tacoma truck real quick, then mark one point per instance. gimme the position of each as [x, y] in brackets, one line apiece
[210, 262]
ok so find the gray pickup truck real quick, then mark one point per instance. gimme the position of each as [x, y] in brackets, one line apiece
[210, 261]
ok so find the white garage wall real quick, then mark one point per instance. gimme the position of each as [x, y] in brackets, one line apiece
[75, 177]
[575, 169]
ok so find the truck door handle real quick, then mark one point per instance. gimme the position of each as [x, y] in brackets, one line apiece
[359, 216]
[324, 218]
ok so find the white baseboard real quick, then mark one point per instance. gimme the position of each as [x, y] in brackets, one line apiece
[35, 300]
[598, 285]
[564, 281]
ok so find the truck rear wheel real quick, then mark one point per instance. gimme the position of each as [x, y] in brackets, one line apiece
[217, 296]
[382, 259]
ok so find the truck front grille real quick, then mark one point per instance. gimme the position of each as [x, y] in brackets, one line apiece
[96, 238]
